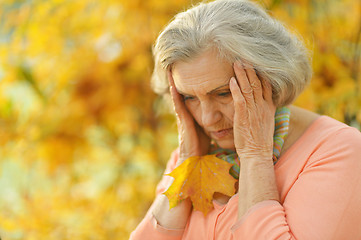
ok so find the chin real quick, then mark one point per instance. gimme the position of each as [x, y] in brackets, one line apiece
[227, 144]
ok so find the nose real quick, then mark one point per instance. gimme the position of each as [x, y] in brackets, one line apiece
[210, 114]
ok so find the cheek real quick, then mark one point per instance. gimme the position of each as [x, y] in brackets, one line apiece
[194, 109]
[228, 111]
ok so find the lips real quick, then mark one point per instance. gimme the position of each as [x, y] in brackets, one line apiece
[221, 133]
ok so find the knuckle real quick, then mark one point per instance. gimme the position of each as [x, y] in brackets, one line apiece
[256, 86]
[248, 95]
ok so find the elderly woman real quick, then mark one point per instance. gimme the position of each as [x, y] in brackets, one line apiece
[233, 72]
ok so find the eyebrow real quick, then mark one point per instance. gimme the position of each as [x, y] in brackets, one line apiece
[210, 92]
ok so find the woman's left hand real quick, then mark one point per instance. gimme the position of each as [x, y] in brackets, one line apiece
[253, 129]
[253, 124]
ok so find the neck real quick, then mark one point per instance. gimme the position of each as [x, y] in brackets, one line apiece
[300, 120]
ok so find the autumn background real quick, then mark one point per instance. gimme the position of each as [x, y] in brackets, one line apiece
[83, 140]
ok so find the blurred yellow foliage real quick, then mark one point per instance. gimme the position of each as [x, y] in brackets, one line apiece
[83, 138]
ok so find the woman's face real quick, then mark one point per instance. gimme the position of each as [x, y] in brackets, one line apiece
[204, 84]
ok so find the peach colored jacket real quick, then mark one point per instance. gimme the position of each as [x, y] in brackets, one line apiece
[319, 182]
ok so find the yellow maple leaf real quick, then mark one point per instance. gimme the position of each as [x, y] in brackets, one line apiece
[199, 178]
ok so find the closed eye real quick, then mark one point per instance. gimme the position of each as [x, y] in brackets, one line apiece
[187, 97]
[224, 94]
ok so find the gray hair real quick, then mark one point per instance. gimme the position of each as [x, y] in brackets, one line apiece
[239, 30]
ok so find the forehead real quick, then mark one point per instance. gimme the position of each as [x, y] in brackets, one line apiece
[203, 73]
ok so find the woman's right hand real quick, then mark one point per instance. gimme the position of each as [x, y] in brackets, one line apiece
[193, 141]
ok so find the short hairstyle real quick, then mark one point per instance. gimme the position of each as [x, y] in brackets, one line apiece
[239, 30]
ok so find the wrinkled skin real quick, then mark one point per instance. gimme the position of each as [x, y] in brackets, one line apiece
[229, 103]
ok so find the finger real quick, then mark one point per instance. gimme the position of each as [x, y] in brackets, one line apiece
[178, 103]
[184, 117]
[238, 98]
[255, 83]
[267, 91]
[243, 82]
[172, 85]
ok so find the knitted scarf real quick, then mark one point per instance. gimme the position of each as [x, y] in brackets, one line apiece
[282, 117]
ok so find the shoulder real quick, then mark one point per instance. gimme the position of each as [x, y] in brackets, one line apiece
[167, 180]
[330, 130]
[171, 165]
[312, 129]
[322, 138]
[334, 141]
